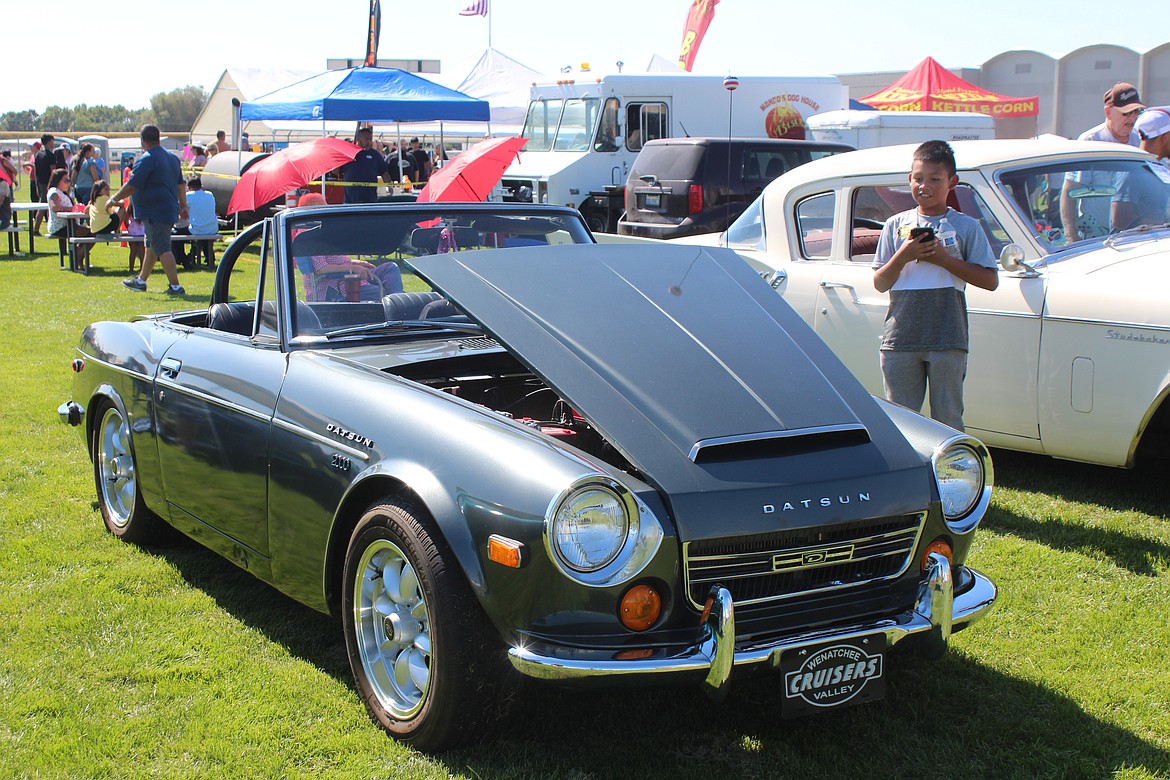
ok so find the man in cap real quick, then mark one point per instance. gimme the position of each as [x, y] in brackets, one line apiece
[1090, 217]
[1122, 106]
[1142, 197]
[1153, 128]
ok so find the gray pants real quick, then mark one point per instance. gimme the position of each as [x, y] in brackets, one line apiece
[906, 375]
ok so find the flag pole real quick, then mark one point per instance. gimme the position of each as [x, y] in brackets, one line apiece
[729, 83]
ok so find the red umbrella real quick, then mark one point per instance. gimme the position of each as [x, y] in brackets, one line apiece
[288, 169]
[471, 175]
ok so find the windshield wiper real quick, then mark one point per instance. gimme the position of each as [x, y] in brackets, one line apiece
[1133, 231]
[404, 325]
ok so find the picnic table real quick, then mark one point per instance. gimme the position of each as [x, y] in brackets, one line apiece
[13, 230]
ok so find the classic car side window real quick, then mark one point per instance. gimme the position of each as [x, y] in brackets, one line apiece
[872, 206]
[814, 223]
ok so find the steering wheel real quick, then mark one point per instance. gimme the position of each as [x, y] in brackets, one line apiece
[865, 222]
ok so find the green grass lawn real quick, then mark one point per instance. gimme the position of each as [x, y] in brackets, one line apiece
[126, 662]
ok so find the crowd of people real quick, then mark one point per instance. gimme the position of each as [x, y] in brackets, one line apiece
[392, 164]
[151, 202]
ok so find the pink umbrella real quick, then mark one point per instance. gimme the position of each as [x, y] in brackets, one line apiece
[471, 176]
[288, 169]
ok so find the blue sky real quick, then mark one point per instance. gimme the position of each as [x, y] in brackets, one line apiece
[167, 45]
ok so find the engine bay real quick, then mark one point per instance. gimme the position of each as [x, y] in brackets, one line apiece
[499, 382]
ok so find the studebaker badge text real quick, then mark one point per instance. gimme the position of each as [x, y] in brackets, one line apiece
[356, 438]
[1145, 338]
[812, 503]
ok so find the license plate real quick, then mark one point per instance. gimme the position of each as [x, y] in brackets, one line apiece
[652, 201]
[834, 674]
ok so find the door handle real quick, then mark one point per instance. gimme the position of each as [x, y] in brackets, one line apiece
[842, 286]
[170, 367]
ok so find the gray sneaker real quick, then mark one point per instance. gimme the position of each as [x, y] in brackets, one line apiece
[135, 284]
[173, 289]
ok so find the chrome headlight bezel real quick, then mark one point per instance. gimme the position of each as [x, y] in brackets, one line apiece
[632, 547]
[964, 502]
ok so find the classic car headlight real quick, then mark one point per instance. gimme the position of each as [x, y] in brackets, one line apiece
[962, 469]
[589, 528]
[598, 533]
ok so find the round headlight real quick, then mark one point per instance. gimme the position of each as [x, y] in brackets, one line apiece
[589, 528]
[959, 471]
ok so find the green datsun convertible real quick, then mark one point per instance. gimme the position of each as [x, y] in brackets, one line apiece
[494, 447]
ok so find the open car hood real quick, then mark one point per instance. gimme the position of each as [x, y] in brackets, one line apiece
[683, 358]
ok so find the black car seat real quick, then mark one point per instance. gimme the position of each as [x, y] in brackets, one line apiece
[407, 305]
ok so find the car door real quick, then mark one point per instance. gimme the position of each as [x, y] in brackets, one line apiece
[215, 394]
[848, 313]
[1000, 392]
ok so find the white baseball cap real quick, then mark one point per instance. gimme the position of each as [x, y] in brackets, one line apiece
[1153, 122]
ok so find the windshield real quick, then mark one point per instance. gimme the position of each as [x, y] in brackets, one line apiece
[561, 125]
[1083, 200]
[352, 268]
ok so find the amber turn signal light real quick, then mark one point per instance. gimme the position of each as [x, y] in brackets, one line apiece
[507, 552]
[641, 607]
[940, 546]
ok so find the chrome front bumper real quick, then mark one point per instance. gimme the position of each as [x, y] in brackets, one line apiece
[936, 613]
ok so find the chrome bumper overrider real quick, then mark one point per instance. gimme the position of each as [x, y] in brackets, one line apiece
[71, 413]
[936, 612]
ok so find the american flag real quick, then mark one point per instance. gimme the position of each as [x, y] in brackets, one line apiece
[478, 8]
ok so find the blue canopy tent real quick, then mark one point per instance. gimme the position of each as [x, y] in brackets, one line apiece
[366, 95]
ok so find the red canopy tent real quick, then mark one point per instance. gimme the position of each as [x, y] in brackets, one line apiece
[931, 87]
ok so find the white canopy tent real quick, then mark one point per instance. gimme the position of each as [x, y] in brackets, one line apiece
[244, 84]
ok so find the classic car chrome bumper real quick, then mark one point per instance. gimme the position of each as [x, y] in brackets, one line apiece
[935, 614]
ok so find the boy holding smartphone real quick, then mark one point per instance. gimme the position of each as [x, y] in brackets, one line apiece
[925, 258]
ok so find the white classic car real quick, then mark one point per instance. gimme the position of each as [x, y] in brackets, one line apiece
[1070, 356]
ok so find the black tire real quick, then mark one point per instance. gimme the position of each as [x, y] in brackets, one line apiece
[416, 638]
[115, 476]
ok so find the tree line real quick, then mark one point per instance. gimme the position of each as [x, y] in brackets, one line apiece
[173, 111]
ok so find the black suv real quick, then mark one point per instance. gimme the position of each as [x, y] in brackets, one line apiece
[679, 186]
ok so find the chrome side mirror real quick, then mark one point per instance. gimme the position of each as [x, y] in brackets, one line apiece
[1011, 259]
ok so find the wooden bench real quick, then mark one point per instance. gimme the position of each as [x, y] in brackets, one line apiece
[109, 238]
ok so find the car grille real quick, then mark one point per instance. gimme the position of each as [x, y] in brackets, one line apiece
[790, 564]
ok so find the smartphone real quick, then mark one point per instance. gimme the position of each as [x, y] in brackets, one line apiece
[917, 232]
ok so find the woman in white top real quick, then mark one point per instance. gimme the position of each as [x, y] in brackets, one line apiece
[60, 203]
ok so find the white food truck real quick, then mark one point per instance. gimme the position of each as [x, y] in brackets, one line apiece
[584, 132]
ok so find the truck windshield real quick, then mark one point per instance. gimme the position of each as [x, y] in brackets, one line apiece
[561, 125]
